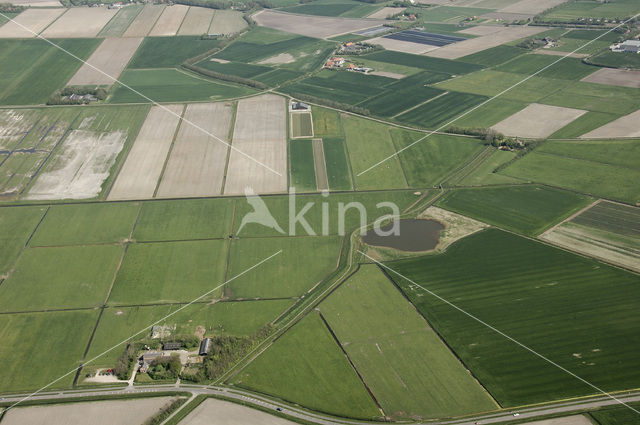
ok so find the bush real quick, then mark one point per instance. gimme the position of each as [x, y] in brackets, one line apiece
[165, 368]
[225, 77]
[125, 362]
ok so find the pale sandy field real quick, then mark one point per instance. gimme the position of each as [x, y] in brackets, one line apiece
[196, 22]
[537, 121]
[313, 26]
[145, 20]
[481, 30]
[170, 20]
[141, 170]
[386, 12]
[218, 412]
[37, 3]
[79, 167]
[227, 22]
[111, 57]
[197, 160]
[474, 45]
[80, 22]
[388, 74]
[531, 7]
[614, 77]
[627, 126]
[14, 123]
[35, 20]
[120, 412]
[402, 46]
[559, 53]
[320, 165]
[567, 420]
[260, 133]
[456, 226]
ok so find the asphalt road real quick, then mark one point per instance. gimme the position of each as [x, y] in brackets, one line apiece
[265, 403]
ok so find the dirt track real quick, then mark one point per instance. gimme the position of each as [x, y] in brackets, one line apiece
[537, 121]
[196, 22]
[197, 161]
[313, 26]
[80, 22]
[142, 168]
[34, 19]
[218, 412]
[260, 133]
[111, 57]
[170, 20]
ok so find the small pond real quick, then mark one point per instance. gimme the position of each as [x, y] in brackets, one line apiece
[415, 236]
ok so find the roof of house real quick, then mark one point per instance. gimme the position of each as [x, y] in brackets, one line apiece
[632, 43]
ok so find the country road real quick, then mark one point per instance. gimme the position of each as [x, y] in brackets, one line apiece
[251, 399]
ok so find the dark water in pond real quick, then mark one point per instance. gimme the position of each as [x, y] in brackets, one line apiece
[415, 235]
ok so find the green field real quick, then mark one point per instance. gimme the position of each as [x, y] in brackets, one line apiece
[238, 69]
[170, 272]
[438, 111]
[338, 171]
[76, 224]
[491, 113]
[301, 125]
[184, 220]
[306, 367]
[277, 77]
[584, 124]
[171, 85]
[169, 52]
[424, 62]
[33, 69]
[303, 176]
[304, 262]
[523, 209]
[619, 153]
[65, 334]
[16, 226]
[596, 97]
[616, 60]
[618, 415]
[610, 217]
[369, 142]
[119, 23]
[326, 122]
[429, 161]
[392, 102]
[119, 324]
[410, 371]
[452, 14]
[62, 277]
[573, 310]
[343, 8]
[494, 56]
[583, 175]
[566, 69]
[484, 174]
[572, 11]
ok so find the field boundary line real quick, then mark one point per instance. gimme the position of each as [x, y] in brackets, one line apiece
[499, 332]
[420, 104]
[74, 370]
[500, 94]
[571, 217]
[116, 80]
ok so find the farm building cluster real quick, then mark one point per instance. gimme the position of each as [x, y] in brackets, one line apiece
[342, 63]
[628, 46]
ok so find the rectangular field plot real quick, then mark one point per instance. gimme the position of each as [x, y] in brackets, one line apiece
[144, 22]
[31, 369]
[428, 162]
[15, 124]
[110, 58]
[301, 160]
[16, 226]
[615, 77]
[259, 141]
[227, 22]
[56, 278]
[421, 37]
[301, 125]
[33, 69]
[226, 318]
[80, 22]
[566, 69]
[338, 168]
[139, 175]
[309, 353]
[289, 274]
[369, 142]
[538, 121]
[312, 26]
[524, 209]
[29, 23]
[534, 290]
[485, 173]
[423, 62]
[183, 220]
[196, 21]
[119, 24]
[169, 22]
[76, 224]
[410, 371]
[83, 162]
[170, 272]
[198, 157]
[169, 52]
[441, 109]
